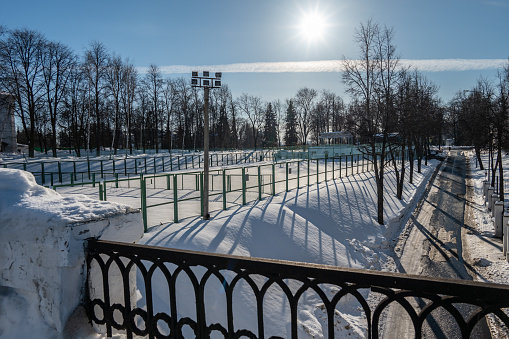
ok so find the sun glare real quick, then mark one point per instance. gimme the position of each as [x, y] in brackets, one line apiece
[312, 26]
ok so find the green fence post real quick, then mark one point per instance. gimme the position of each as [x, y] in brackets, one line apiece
[93, 179]
[308, 170]
[340, 165]
[326, 168]
[74, 169]
[224, 189]
[201, 194]
[197, 179]
[116, 180]
[163, 164]
[333, 161]
[317, 171]
[243, 185]
[42, 174]
[88, 166]
[51, 178]
[145, 159]
[100, 191]
[143, 203]
[286, 176]
[136, 166]
[259, 183]
[357, 163]
[185, 158]
[298, 174]
[113, 166]
[167, 181]
[273, 179]
[175, 201]
[155, 166]
[178, 161]
[59, 172]
[104, 190]
[72, 179]
[125, 166]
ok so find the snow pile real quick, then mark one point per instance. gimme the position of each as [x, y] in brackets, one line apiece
[485, 251]
[331, 223]
[42, 255]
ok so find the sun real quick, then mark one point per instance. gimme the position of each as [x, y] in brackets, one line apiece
[312, 26]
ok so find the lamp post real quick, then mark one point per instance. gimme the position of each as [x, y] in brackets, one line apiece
[206, 82]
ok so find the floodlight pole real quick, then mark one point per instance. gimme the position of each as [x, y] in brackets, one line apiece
[207, 82]
[206, 215]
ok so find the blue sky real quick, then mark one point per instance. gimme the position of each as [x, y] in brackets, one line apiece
[206, 33]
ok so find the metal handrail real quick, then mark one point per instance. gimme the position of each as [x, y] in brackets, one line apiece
[393, 288]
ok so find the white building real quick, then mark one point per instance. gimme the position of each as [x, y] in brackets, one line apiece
[7, 123]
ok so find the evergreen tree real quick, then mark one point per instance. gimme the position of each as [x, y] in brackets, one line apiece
[270, 132]
[291, 138]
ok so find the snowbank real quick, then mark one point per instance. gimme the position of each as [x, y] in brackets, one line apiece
[42, 261]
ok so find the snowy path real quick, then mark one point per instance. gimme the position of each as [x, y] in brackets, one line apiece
[434, 248]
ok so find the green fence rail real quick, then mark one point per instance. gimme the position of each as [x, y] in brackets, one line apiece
[170, 197]
[50, 172]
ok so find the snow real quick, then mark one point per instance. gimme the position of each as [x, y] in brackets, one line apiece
[331, 223]
[483, 249]
[41, 251]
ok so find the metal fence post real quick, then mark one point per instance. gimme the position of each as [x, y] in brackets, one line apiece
[317, 171]
[308, 170]
[88, 167]
[102, 170]
[100, 191]
[143, 203]
[74, 169]
[259, 183]
[93, 179]
[243, 185]
[298, 173]
[43, 175]
[287, 177]
[224, 189]
[201, 194]
[125, 166]
[116, 180]
[273, 179]
[326, 168]
[175, 201]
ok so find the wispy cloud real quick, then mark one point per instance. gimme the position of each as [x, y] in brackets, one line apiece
[429, 65]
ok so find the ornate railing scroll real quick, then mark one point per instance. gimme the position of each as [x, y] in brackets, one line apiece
[112, 302]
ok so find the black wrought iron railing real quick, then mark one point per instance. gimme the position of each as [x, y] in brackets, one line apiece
[113, 304]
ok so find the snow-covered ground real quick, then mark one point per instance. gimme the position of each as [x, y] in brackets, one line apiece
[483, 250]
[332, 223]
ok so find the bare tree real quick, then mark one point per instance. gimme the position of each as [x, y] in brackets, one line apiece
[304, 104]
[21, 76]
[252, 107]
[153, 81]
[58, 63]
[128, 97]
[96, 63]
[371, 81]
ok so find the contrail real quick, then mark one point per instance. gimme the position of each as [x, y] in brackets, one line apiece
[427, 65]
